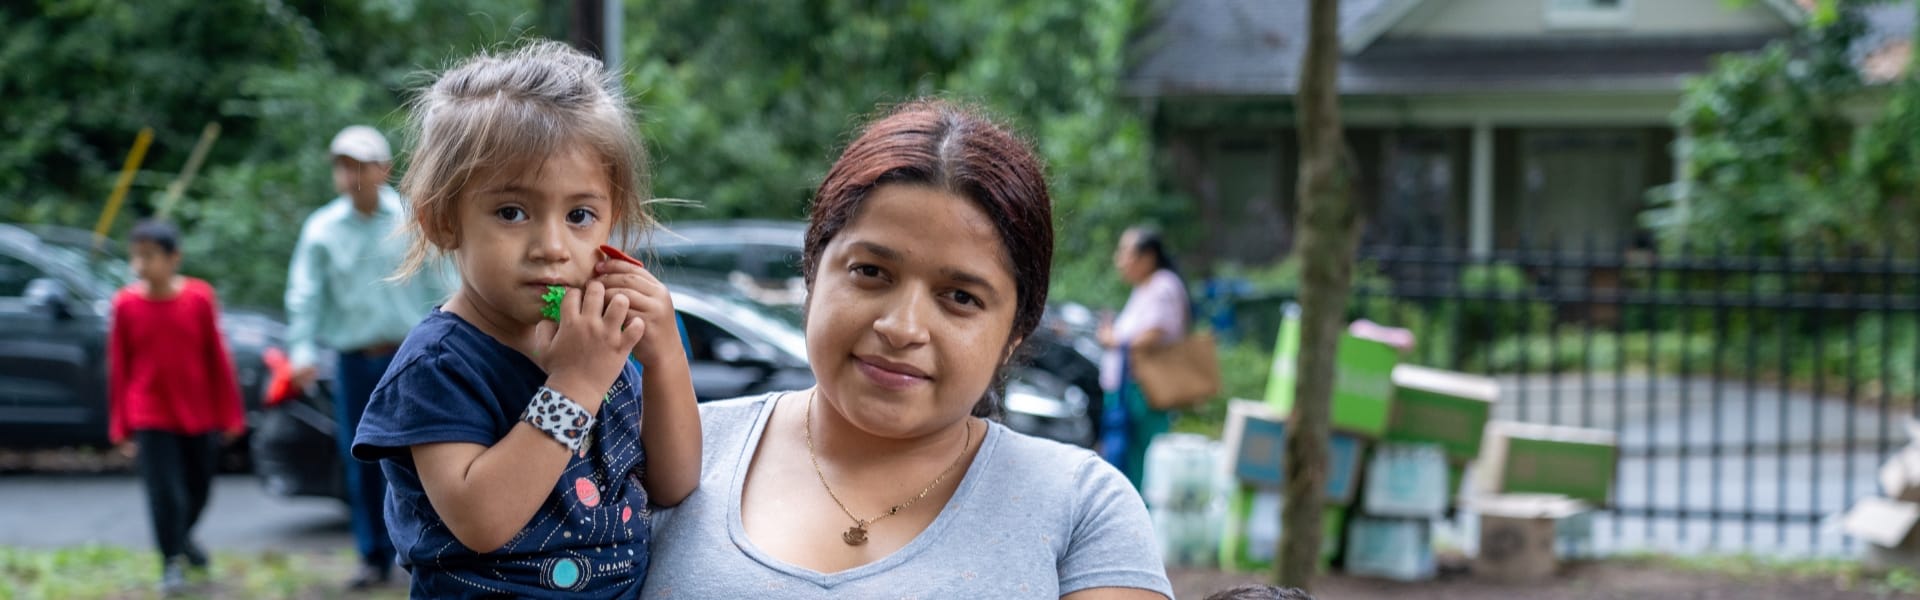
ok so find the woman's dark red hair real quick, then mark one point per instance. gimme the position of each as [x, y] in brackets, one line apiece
[941, 145]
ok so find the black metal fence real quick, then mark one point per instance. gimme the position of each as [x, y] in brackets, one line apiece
[1754, 396]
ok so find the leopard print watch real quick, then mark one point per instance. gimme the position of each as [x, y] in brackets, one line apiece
[560, 417]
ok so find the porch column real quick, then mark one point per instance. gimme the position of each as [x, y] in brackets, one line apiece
[1480, 190]
[1683, 176]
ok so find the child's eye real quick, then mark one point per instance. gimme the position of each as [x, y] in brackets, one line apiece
[581, 217]
[510, 214]
[865, 270]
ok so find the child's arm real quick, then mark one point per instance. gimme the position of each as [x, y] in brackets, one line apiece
[226, 386]
[670, 428]
[486, 494]
[118, 363]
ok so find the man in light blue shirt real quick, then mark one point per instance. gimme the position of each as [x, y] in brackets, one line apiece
[340, 298]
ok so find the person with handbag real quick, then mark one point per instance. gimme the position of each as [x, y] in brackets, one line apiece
[1156, 315]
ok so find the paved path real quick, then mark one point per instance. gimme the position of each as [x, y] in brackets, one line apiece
[1810, 457]
[50, 511]
[1804, 463]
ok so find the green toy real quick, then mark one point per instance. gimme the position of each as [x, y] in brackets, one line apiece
[553, 297]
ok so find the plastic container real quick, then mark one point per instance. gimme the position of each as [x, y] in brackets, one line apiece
[1180, 471]
[1397, 549]
[1406, 480]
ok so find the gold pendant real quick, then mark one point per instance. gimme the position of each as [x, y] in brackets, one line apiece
[855, 535]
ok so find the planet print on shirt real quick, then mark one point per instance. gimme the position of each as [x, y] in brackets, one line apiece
[588, 493]
[626, 514]
[565, 573]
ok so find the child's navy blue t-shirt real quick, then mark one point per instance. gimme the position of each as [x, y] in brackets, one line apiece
[450, 382]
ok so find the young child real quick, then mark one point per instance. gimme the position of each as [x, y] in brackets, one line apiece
[171, 392]
[513, 444]
[1259, 592]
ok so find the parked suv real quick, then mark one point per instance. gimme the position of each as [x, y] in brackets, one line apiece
[56, 297]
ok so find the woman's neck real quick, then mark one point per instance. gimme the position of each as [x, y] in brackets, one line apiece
[1145, 275]
[837, 440]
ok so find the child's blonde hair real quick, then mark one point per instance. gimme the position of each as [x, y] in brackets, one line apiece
[513, 111]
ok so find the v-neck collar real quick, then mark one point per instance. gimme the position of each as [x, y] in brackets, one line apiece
[737, 530]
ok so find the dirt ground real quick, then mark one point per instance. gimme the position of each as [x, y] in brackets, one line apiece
[1607, 580]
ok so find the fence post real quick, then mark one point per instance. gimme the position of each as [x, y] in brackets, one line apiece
[1752, 262]
[1786, 377]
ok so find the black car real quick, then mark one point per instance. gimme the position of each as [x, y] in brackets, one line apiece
[761, 258]
[56, 297]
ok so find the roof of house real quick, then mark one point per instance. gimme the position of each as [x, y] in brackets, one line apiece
[1253, 48]
[1887, 46]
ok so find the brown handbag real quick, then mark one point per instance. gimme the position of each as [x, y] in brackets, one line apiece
[1179, 375]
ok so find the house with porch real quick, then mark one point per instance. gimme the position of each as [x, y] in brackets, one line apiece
[1480, 125]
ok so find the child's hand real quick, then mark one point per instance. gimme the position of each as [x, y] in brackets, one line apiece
[649, 299]
[128, 448]
[585, 351]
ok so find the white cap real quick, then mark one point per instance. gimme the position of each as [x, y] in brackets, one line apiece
[362, 143]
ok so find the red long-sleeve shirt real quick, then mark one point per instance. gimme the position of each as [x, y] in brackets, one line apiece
[168, 367]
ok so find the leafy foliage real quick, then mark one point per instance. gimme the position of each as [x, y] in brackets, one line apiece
[1775, 158]
[748, 103]
[81, 77]
[743, 104]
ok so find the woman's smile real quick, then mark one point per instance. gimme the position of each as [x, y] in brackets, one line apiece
[890, 375]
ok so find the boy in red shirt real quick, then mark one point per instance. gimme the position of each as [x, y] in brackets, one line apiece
[173, 401]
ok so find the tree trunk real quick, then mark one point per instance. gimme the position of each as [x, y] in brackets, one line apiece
[1327, 225]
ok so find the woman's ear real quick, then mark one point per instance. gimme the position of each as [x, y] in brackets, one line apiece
[1006, 355]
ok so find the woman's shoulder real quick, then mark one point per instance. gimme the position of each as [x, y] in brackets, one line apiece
[744, 405]
[1040, 463]
[734, 414]
[1167, 280]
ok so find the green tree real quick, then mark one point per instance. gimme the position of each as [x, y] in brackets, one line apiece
[1779, 157]
[81, 77]
[1330, 226]
[743, 104]
[746, 104]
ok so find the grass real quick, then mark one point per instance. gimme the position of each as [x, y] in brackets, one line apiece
[111, 572]
[1845, 574]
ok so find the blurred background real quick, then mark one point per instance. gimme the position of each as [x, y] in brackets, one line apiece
[1692, 224]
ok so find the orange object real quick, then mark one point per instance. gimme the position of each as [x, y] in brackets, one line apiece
[616, 254]
[279, 376]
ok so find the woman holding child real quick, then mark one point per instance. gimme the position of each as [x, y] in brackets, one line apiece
[927, 260]
[530, 458]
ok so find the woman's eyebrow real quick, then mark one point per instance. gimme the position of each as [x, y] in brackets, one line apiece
[969, 278]
[953, 273]
[878, 250]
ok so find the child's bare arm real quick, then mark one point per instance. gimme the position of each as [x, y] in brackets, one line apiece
[486, 494]
[670, 428]
[670, 431]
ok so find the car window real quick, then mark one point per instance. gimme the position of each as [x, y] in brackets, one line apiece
[104, 268]
[709, 259]
[776, 263]
[701, 337]
[14, 275]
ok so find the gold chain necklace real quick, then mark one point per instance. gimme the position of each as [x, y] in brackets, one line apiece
[857, 534]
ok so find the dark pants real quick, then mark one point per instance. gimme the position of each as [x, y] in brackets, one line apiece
[178, 472]
[1128, 424]
[366, 486]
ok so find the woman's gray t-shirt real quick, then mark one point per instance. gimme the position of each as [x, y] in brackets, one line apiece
[1032, 519]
